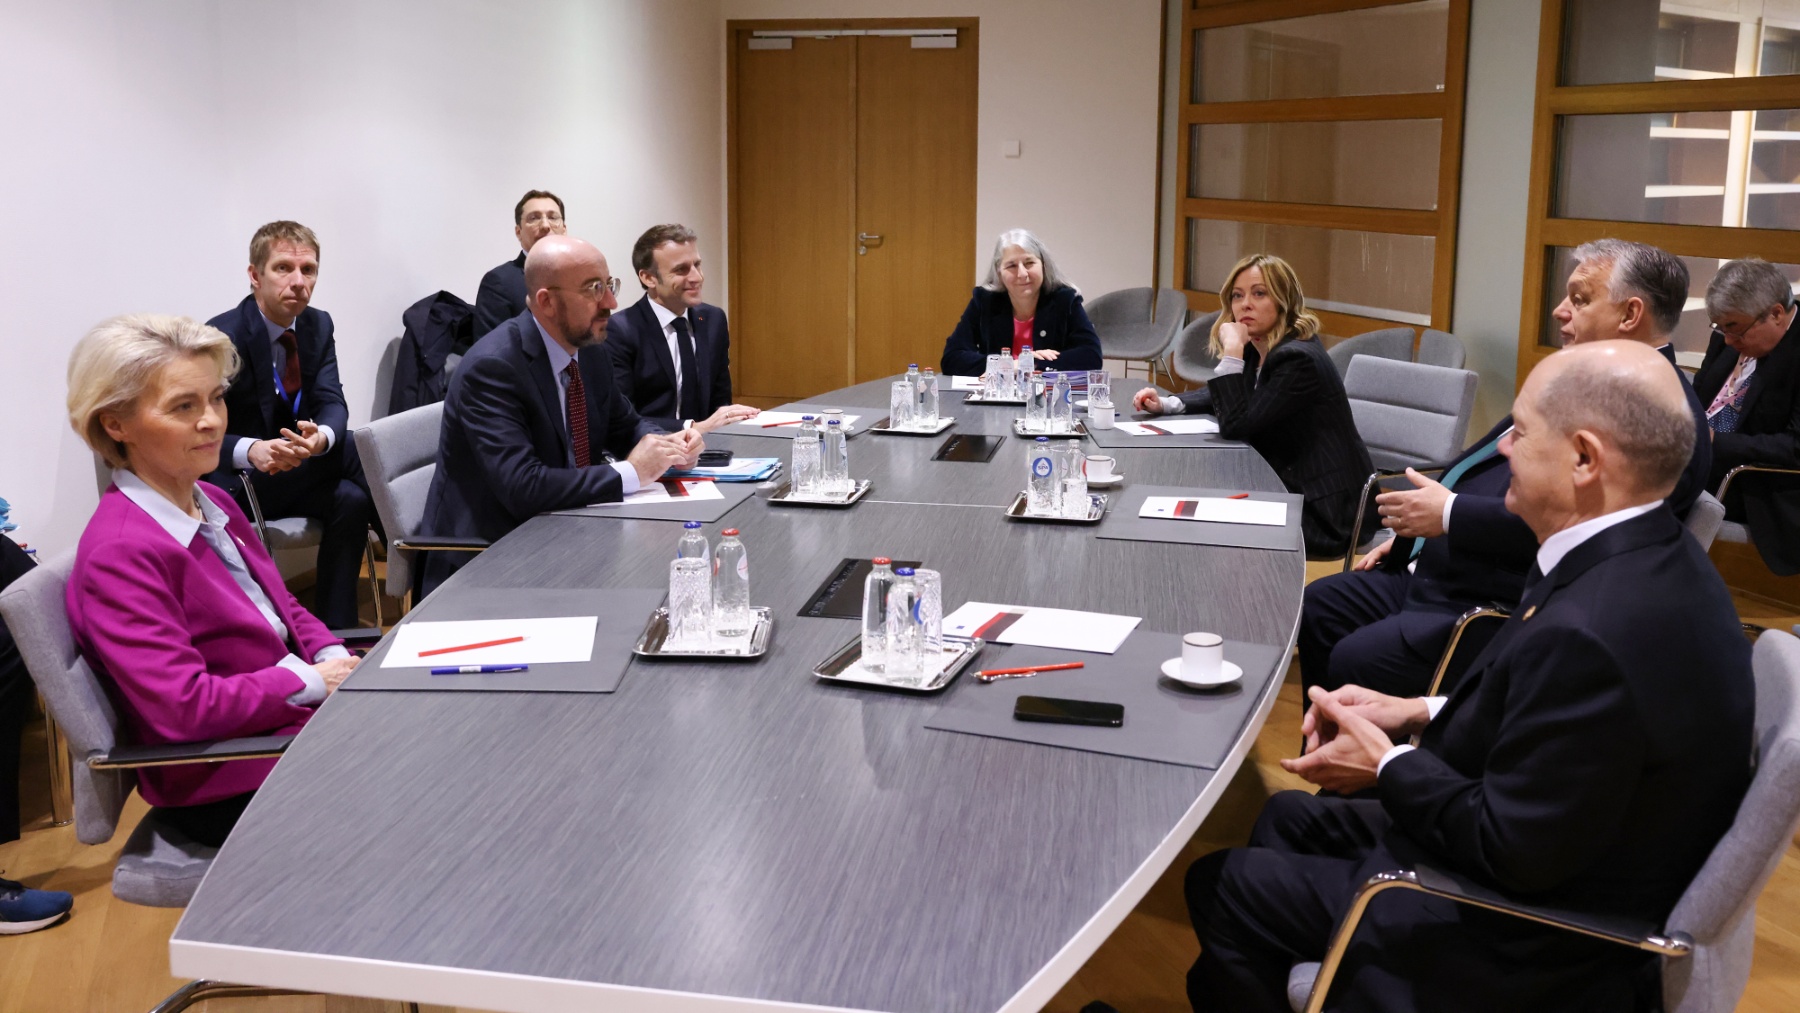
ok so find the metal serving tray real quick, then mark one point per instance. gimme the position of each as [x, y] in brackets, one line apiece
[1078, 431]
[650, 642]
[977, 399]
[842, 666]
[944, 422]
[783, 496]
[1096, 510]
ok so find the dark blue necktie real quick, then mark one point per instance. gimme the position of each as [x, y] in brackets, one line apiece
[1463, 467]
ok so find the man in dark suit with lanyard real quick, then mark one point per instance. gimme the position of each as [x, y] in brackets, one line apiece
[1588, 762]
[502, 294]
[532, 421]
[1386, 624]
[671, 352]
[288, 425]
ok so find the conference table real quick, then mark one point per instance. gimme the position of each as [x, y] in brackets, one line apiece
[741, 835]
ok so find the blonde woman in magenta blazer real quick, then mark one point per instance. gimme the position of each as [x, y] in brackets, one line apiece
[173, 598]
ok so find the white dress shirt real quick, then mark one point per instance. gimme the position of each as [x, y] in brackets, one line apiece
[667, 317]
[183, 527]
[1549, 554]
[240, 454]
[559, 366]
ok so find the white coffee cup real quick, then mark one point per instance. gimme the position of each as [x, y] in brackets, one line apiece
[1100, 416]
[1099, 468]
[1202, 657]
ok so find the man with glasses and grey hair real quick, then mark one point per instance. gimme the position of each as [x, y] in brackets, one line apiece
[533, 422]
[1750, 384]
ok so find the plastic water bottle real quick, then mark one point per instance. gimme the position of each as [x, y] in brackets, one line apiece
[1007, 386]
[836, 453]
[990, 380]
[1040, 489]
[912, 384]
[927, 415]
[806, 462]
[692, 544]
[1036, 408]
[1062, 417]
[731, 587]
[1072, 488]
[1027, 362]
[876, 588]
[905, 630]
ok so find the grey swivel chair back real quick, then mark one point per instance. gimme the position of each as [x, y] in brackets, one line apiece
[1704, 519]
[1137, 324]
[1388, 343]
[399, 457]
[1409, 414]
[384, 379]
[1191, 358]
[158, 866]
[1441, 348]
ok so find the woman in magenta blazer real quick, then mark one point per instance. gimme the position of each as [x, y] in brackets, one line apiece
[173, 598]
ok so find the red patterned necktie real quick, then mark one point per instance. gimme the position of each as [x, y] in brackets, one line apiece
[578, 417]
[290, 370]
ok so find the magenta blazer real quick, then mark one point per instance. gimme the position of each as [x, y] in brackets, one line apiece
[189, 657]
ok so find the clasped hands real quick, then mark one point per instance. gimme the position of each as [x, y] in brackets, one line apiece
[1348, 730]
[271, 457]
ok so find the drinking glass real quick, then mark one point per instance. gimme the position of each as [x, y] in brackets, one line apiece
[690, 603]
[990, 380]
[901, 399]
[931, 616]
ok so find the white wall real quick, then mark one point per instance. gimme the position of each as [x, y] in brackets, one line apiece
[1075, 81]
[144, 143]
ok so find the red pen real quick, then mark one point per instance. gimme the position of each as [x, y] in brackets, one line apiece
[1241, 495]
[469, 647]
[790, 422]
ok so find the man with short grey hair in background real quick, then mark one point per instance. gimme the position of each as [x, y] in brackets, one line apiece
[1750, 385]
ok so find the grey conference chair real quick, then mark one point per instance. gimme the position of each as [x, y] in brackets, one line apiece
[1387, 343]
[1138, 324]
[1441, 348]
[287, 533]
[384, 379]
[1705, 518]
[1409, 415]
[399, 457]
[1733, 531]
[1707, 941]
[1190, 357]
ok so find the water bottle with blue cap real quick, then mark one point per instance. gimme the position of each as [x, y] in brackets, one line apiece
[905, 630]
[1040, 488]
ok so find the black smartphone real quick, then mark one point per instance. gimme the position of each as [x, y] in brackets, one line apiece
[715, 458]
[1055, 710]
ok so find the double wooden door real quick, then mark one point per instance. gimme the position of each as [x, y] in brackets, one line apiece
[852, 199]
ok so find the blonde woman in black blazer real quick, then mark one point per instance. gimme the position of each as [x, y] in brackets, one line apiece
[1278, 391]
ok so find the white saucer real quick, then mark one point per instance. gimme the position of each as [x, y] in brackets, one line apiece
[1118, 478]
[1228, 674]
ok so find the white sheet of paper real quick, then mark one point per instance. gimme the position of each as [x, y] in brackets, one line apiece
[1219, 510]
[547, 642]
[769, 419]
[965, 383]
[1067, 629]
[1174, 427]
[655, 492]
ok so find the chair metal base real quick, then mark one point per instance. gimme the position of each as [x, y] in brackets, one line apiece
[202, 990]
[62, 796]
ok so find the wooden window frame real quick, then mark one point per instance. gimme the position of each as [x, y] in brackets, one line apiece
[1445, 106]
[1545, 232]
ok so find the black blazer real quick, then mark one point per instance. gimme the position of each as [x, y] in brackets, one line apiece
[254, 412]
[1297, 416]
[501, 295]
[1768, 433]
[645, 372]
[1589, 761]
[987, 326]
[504, 454]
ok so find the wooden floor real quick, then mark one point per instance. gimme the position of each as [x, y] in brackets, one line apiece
[112, 957]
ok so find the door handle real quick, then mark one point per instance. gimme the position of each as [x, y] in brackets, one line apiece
[863, 239]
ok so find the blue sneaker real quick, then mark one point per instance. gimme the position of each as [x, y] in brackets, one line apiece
[25, 910]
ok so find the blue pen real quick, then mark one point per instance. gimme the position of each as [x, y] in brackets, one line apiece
[479, 669]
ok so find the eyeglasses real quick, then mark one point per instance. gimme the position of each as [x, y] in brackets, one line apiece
[592, 288]
[1738, 333]
[543, 218]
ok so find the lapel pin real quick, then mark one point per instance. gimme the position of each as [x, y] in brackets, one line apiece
[1528, 613]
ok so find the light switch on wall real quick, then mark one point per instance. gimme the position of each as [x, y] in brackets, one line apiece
[1011, 149]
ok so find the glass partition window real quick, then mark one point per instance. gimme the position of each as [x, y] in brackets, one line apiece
[1385, 50]
[1359, 163]
[1725, 168]
[1625, 41]
[1367, 274]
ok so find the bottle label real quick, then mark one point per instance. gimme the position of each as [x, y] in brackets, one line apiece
[1040, 466]
[743, 567]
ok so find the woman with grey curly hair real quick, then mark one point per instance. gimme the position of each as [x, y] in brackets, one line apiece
[1024, 301]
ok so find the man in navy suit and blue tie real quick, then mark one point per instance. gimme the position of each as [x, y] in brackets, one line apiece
[288, 422]
[502, 293]
[532, 421]
[671, 352]
[1385, 625]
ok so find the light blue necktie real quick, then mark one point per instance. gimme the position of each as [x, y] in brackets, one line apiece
[1462, 468]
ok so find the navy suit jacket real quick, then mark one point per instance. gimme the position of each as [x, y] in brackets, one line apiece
[987, 326]
[645, 371]
[504, 454]
[1768, 433]
[1589, 761]
[255, 412]
[501, 296]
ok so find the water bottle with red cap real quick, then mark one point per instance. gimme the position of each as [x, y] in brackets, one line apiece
[876, 589]
[731, 587]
